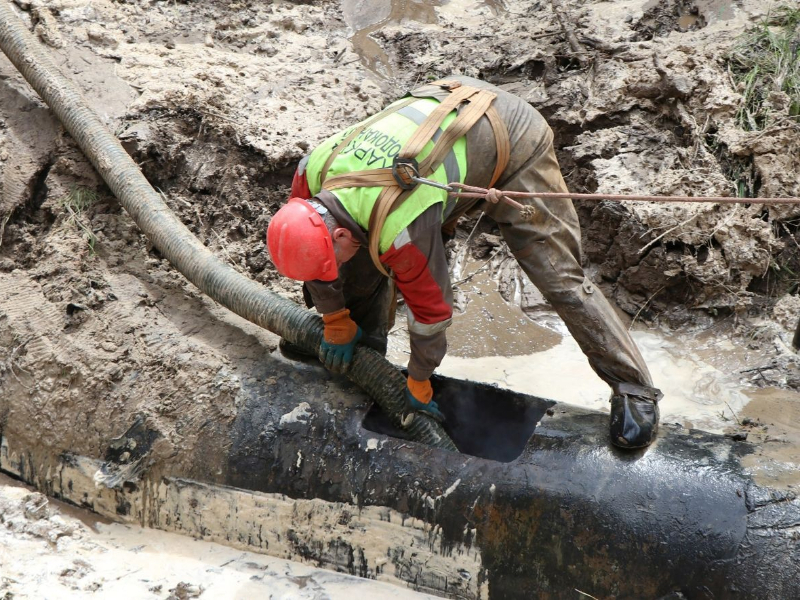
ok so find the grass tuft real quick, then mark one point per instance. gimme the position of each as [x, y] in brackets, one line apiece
[75, 203]
[766, 59]
[79, 199]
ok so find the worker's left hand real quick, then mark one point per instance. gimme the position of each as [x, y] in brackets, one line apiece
[339, 341]
[419, 397]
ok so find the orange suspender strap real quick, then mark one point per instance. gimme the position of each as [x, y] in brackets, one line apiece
[391, 198]
[501, 162]
[498, 128]
[501, 140]
[469, 115]
[388, 200]
[392, 195]
[422, 135]
[355, 133]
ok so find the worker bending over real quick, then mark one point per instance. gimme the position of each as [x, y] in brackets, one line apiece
[356, 214]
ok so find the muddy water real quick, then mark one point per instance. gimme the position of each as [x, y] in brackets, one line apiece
[701, 375]
[777, 459]
[365, 17]
[489, 328]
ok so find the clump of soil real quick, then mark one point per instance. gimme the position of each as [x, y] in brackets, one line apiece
[217, 103]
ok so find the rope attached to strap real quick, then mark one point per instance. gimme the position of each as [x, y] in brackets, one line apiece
[475, 192]
[528, 212]
[395, 186]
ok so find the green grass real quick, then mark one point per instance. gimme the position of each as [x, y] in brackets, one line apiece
[75, 203]
[766, 59]
[79, 199]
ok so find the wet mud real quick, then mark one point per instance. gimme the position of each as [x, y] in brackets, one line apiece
[78, 554]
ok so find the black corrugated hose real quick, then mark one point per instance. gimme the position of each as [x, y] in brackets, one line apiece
[383, 382]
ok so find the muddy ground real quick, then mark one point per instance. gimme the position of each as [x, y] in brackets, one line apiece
[217, 102]
[78, 555]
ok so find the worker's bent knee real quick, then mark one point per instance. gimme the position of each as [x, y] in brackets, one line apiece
[552, 270]
[571, 294]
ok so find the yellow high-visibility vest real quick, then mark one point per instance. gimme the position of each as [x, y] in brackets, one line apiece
[375, 148]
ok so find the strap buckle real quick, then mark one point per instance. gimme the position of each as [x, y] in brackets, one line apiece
[405, 171]
[642, 391]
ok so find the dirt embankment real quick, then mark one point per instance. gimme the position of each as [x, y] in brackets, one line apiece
[648, 107]
[217, 103]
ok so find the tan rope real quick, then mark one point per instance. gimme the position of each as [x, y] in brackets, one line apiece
[476, 192]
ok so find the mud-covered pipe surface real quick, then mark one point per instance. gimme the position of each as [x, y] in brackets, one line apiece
[383, 382]
[537, 507]
[561, 510]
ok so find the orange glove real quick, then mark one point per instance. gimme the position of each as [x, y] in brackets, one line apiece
[339, 327]
[421, 390]
[339, 340]
[419, 397]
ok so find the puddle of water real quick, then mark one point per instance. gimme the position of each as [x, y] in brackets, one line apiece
[492, 342]
[775, 416]
[365, 17]
[685, 22]
[489, 328]
[697, 394]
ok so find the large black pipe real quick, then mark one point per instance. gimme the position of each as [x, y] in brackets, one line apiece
[383, 382]
[546, 501]
[537, 505]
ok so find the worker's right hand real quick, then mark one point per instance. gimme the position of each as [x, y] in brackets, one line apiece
[419, 397]
[339, 341]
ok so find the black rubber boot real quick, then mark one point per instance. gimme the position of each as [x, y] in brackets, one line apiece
[634, 416]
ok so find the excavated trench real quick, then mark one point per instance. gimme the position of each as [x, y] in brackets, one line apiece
[116, 370]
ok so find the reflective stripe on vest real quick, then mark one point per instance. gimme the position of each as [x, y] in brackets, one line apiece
[375, 148]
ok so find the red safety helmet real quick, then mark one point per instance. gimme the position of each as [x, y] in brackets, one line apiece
[300, 244]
